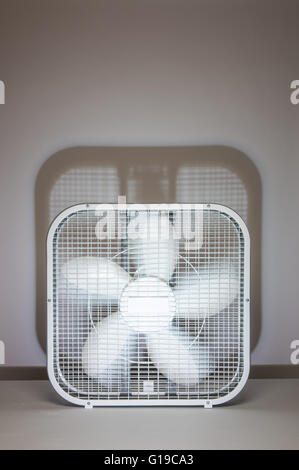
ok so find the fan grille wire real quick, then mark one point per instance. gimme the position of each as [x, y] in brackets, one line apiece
[208, 183]
[134, 376]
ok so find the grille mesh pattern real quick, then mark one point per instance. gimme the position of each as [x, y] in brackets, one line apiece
[82, 184]
[169, 322]
[212, 184]
[193, 184]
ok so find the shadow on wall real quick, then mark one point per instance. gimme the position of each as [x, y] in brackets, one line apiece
[214, 174]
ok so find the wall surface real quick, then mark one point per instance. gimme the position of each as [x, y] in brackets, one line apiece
[167, 72]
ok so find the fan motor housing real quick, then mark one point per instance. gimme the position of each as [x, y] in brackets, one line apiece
[148, 304]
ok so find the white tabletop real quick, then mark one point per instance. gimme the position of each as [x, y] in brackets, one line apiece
[265, 416]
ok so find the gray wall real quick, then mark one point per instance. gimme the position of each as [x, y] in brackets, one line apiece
[167, 72]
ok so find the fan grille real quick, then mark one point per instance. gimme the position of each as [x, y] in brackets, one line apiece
[218, 342]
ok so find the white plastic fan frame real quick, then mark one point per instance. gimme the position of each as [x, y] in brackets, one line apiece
[205, 402]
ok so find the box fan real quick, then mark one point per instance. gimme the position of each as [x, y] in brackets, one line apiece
[148, 304]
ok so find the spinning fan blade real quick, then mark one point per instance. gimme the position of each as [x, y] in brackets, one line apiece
[207, 293]
[99, 279]
[177, 359]
[106, 352]
[153, 247]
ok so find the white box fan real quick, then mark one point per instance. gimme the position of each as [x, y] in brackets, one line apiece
[148, 304]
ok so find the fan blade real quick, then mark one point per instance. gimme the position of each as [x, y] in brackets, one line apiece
[106, 352]
[207, 293]
[177, 359]
[97, 278]
[152, 243]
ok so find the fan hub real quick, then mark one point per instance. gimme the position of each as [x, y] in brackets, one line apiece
[147, 304]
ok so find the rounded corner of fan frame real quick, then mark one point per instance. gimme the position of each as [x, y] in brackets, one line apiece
[207, 402]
